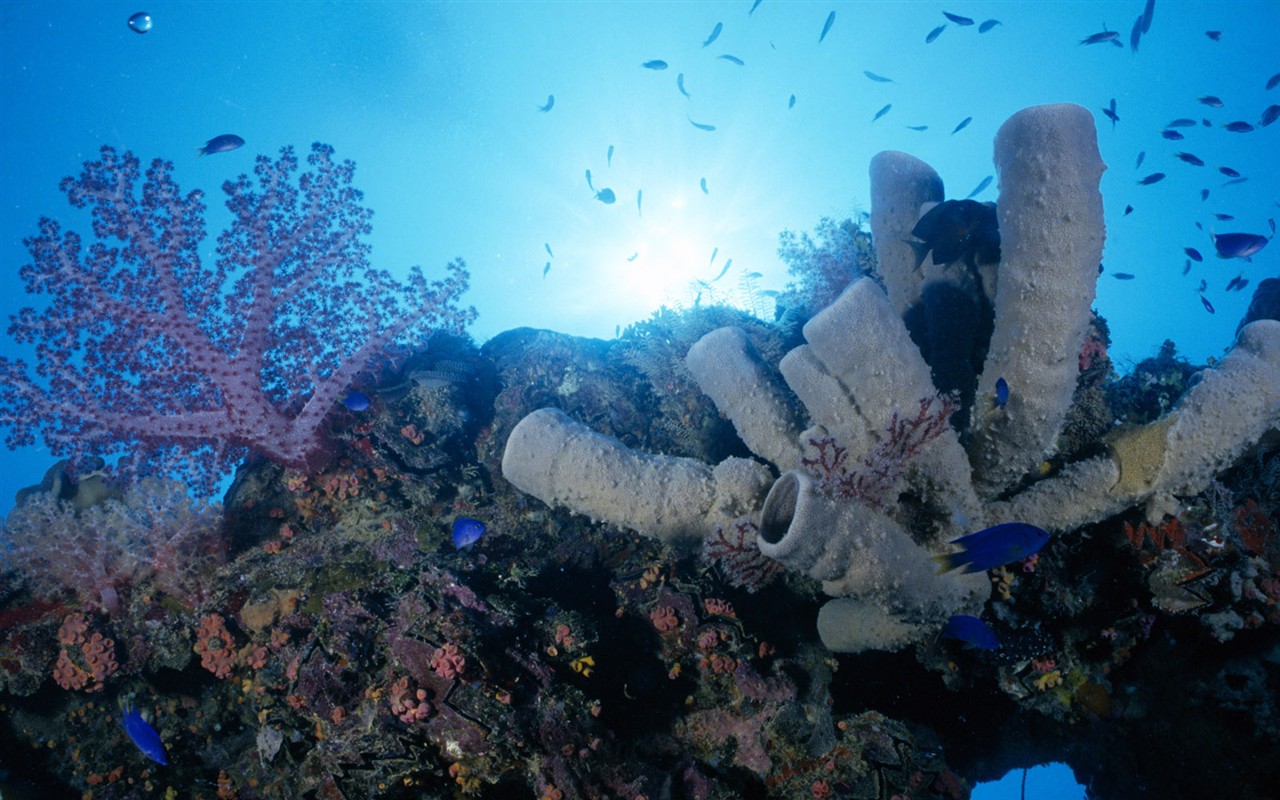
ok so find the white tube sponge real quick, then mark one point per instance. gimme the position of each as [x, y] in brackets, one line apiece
[900, 185]
[729, 371]
[565, 463]
[1051, 234]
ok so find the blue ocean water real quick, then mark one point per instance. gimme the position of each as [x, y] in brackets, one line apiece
[442, 107]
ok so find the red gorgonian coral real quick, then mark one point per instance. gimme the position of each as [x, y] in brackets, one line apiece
[145, 348]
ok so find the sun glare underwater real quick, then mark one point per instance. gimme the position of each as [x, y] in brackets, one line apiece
[329, 574]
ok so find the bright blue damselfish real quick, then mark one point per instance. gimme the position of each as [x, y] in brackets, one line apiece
[466, 532]
[142, 734]
[972, 631]
[356, 401]
[1002, 392]
[994, 547]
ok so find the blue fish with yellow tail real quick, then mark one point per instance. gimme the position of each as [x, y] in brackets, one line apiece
[466, 532]
[994, 547]
[142, 734]
[972, 631]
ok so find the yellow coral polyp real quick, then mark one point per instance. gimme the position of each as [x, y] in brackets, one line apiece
[1049, 680]
[583, 665]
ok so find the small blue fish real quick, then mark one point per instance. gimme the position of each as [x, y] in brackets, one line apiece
[1172, 135]
[551, 101]
[633, 257]
[1269, 115]
[589, 186]
[1212, 101]
[733, 60]
[548, 246]
[466, 532]
[935, 33]
[221, 144]
[1238, 245]
[606, 196]
[545, 270]
[1002, 393]
[715, 251]
[917, 127]
[1207, 305]
[977, 190]
[988, 25]
[1182, 122]
[1111, 114]
[975, 633]
[356, 401]
[1193, 254]
[702, 126]
[877, 78]
[756, 5]
[715, 34]
[1123, 276]
[1229, 172]
[826, 26]
[680, 86]
[655, 64]
[882, 112]
[1238, 127]
[957, 19]
[608, 157]
[792, 102]
[1128, 210]
[994, 547]
[964, 123]
[1154, 177]
[1099, 38]
[142, 734]
[703, 184]
[1142, 154]
[639, 194]
[1189, 158]
[724, 271]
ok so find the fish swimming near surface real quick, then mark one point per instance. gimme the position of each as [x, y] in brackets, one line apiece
[1099, 38]
[975, 633]
[877, 78]
[551, 101]
[1154, 177]
[1148, 12]
[702, 126]
[639, 195]
[977, 190]
[633, 257]
[142, 734]
[1128, 210]
[826, 26]
[964, 123]
[1211, 101]
[466, 532]
[723, 271]
[1204, 195]
[1273, 81]
[958, 230]
[715, 34]
[792, 102]
[1123, 276]
[917, 127]
[1141, 156]
[589, 186]
[1172, 135]
[1232, 182]
[1223, 217]
[1193, 254]
[606, 196]
[1111, 114]
[1189, 158]
[1135, 35]
[1214, 35]
[546, 269]
[935, 33]
[993, 547]
[732, 60]
[680, 86]
[988, 25]
[1207, 305]
[1237, 283]
[715, 251]
[1001, 398]
[1181, 122]
[1238, 127]
[1269, 115]
[1238, 245]
[608, 157]
[957, 19]
[655, 64]
[356, 401]
[547, 245]
[882, 112]
[220, 144]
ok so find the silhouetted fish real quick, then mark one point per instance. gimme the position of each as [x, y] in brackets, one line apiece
[1128, 210]
[1269, 115]
[1238, 127]
[1154, 177]
[792, 102]
[754, 6]
[964, 123]
[1172, 136]
[882, 112]
[1233, 182]
[982, 184]
[1204, 195]
[680, 86]
[1238, 245]
[1190, 159]
[1273, 81]
[703, 185]
[633, 257]
[1148, 12]
[957, 19]
[702, 126]
[1193, 254]
[1135, 35]
[1111, 114]
[1211, 101]
[1229, 172]
[1098, 38]
[1141, 155]
[1181, 122]
[917, 127]
[1214, 35]
[988, 25]
[608, 157]
[639, 194]
[589, 186]
[605, 196]
[546, 269]
[221, 144]
[732, 59]
[656, 63]
[877, 78]
[1207, 305]
[714, 252]
[142, 734]
[994, 547]
[551, 101]
[723, 271]
[1223, 217]
[1237, 283]
[548, 246]
[1122, 276]
[935, 33]
[715, 34]
[826, 26]
[958, 229]
[972, 631]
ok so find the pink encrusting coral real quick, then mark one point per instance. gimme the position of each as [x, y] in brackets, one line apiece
[85, 659]
[142, 348]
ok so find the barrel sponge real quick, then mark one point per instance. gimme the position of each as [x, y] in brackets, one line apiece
[1051, 235]
[900, 185]
[565, 463]
[730, 372]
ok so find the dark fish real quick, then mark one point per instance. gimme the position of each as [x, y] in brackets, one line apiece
[994, 547]
[1148, 12]
[988, 25]
[605, 196]
[1204, 195]
[703, 184]
[1223, 217]
[877, 78]
[1186, 267]
[1238, 245]
[732, 59]
[715, 34]
[917, 127]
[1204, 285]
[589, 186]
[1181, 122]
[1154, 177]
[680, 86]
[1214, 35]
[1193, 254]
[221, 144]
[356, 401]
[882, 112]
[958, 229]
[982, 184]
[608, 157]
[1123, 276]
[1237, 283]
[656, 63]
[1099, 38]
[1269, 115]
[1111, 114]
[1128, 210]
[957, 19]
[1135, 35]
[1142, 155]
[639, 194]
[466, 532]
[1273, 81]
[546, 269]
[1233, 182]
[1238, 127]
[1207, 305]
[975, 633]
[702, 126]
[551, 101]
[935, 33]
[963, 124]
[142, 734]
[1172, 136]
[754, 5]
[1001, 398]
[826, 26]
[1099, 267]
[1190, 159]
[791, 103]
[1211, 101]
[548, 246]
